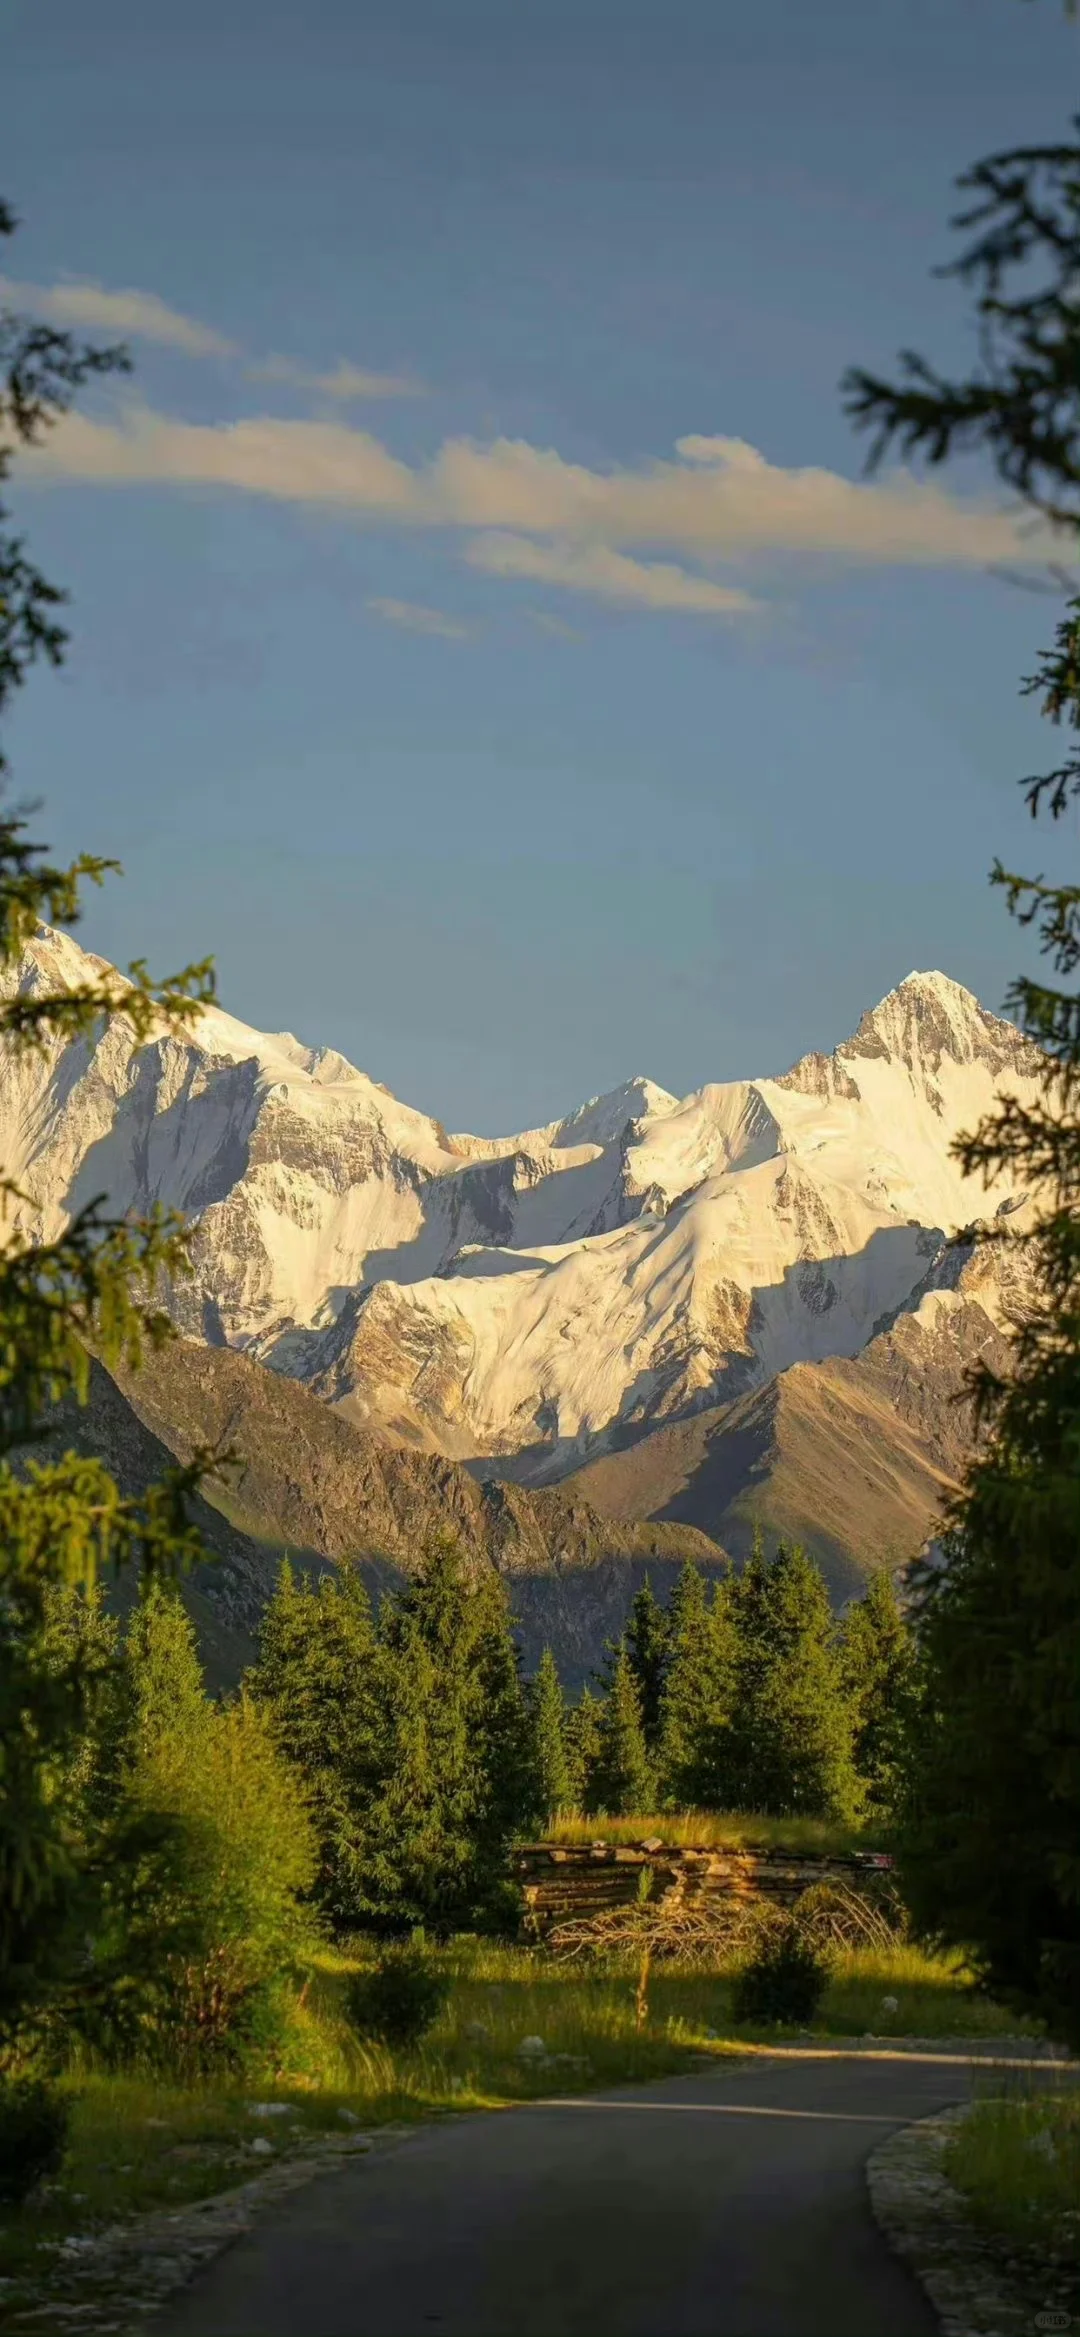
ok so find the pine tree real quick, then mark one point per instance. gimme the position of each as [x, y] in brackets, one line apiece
[422, 1770]
[695, 1708]
[81, 1639]
[321, 1678]
[991, 1838]
[877, 1669]
[502, 1741]
[621, 1782]
[163, 1689]
[63, 1523]
[791, 1731]
[647, 1646]
[554, 1789]
[582, 1736]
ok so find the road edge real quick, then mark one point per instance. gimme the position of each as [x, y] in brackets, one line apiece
[970, 2284]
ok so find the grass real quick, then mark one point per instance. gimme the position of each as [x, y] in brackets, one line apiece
[708, 1830]
[1016, 2159]
[139, 2144]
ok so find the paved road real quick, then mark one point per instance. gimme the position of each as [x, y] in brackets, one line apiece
[726, 2205]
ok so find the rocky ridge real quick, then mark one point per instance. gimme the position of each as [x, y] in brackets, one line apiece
[746, 1288]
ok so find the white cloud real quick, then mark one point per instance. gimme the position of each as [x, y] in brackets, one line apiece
[134, 315]
[143, 316]
[608, 575]
[414, 618]
[344, 382]
[295, 462]
[529, 513]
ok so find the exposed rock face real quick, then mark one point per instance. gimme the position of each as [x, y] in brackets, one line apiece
[858, 1457]
[529, 1304]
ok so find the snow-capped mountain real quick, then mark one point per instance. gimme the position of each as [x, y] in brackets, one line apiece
[538, 1299]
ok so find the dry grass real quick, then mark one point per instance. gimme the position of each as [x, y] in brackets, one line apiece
[710, 1830]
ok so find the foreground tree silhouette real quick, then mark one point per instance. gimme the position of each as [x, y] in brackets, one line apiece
[991, 1837]
[67, 1522]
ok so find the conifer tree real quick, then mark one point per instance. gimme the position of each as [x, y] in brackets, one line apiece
[991, 1840]
[81, 1638]
[647, 1646]
[554, 1790]
[621, 1781]
[582, 1737]
[695, 1710]
[163, 1688]
[877, 1670]
[791, 1731]
[321, 1677]
[65, 1522]
[456, 1779]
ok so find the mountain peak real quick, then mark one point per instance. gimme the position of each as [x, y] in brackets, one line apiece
[929, 1016]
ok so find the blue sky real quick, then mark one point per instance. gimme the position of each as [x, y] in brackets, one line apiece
[490, 709]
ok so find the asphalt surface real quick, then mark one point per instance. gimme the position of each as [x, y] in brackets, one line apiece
[732, 2204]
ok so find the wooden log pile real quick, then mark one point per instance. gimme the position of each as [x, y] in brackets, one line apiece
[571, 1881]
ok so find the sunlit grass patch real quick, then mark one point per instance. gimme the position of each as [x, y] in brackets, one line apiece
[706, 1830]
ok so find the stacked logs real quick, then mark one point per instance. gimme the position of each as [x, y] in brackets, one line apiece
[569, 1881]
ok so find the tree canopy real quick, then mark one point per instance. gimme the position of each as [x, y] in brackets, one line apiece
[991, 1842]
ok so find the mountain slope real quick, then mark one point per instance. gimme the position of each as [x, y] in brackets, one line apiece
[853, 1456]
[530, 1302]
[310, 1483]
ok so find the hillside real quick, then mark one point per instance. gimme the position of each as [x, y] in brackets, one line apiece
[310, 1483]
[856, 1457]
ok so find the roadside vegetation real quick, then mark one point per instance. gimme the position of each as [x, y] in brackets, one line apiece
[1016, 2160]
[140, 2140]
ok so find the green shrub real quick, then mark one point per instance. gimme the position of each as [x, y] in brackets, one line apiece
[784, 1980]
[33, 2132]
[205, 1933]
[401, 1999]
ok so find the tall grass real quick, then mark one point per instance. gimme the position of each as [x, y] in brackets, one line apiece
[1016, 2158]
[713, 1830]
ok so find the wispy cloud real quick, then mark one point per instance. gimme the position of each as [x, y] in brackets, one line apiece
[524, 512]
[345, 381]
[608, 575]
[413, 617]
[143, 316]
[546, 623]
[137, 316]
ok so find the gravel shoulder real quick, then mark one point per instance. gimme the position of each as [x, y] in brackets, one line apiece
[978, 2287]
